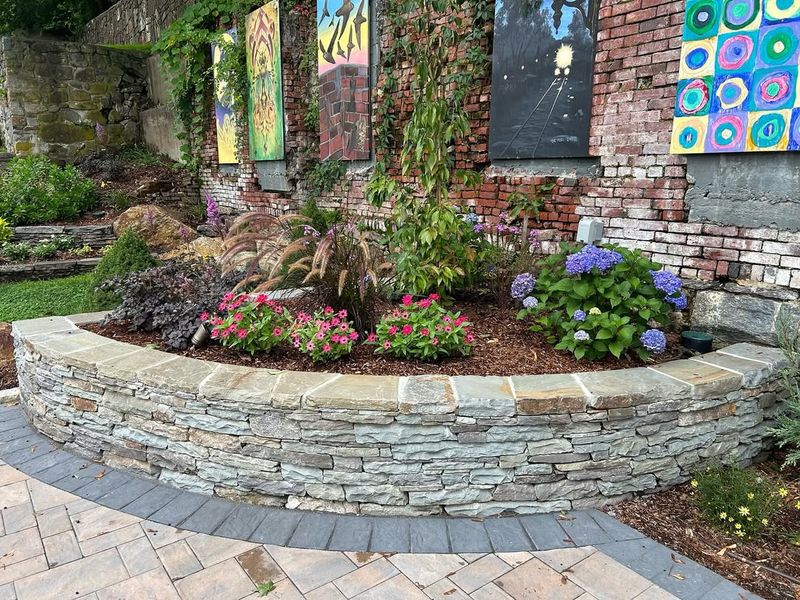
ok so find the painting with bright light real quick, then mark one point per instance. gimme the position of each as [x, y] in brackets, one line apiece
[542, 68]
[223, 108]
[343, 34]
[265, 77]
[737, 83]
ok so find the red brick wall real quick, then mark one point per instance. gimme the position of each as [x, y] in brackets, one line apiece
[639, 190]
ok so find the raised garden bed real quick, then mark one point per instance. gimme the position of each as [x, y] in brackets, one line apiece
[429, 444]
[47, 269]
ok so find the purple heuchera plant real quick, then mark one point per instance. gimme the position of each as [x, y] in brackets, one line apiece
[591, 257]
[654, 340]
[523, 285]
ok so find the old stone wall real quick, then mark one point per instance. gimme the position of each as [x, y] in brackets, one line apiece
[133, 21]
[57, 93]
[467, 446]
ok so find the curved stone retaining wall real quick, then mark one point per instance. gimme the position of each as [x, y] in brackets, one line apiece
[386, 445]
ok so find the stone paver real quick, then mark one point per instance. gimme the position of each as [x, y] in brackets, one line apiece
[71, 547]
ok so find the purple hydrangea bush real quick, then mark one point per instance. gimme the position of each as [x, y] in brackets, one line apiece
[599, 300]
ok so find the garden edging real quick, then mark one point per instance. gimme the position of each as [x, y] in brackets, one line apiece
[466, 446]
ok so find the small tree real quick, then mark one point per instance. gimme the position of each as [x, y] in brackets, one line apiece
[431, 242]
[60, 17]
[129, 254]
[788, 430]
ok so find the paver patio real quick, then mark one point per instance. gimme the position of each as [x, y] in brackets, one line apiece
[56, 545]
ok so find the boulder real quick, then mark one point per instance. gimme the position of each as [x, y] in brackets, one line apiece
[202, 247]
[161, 232]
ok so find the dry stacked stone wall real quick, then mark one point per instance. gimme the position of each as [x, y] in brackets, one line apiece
[466, 446]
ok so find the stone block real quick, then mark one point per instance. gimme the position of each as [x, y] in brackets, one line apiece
[548, 394]
[213, 424]
[397, 433]
[735, 317]
[610, 390]
[275, 425]
[490, 476]
[426, 395]
[357, 392]
[705, 380]
[300, 473]
[484, 396]
[449, 496]
[753, 373]
[387, 495]
[566, 489]
[236, 386]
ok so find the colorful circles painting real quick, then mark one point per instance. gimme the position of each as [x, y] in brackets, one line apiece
[689, 134]
[773, 89]
[740, 14]
[730, 93]
[693, 97]
[780, 10]
[739, 77]
[697, 59]
[794, 130]
[736, 52]
[768, 131]
[726, 133]
[702, 19]
[778, 45]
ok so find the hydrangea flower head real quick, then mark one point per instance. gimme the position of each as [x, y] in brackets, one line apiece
[523, 285]
[579, 316]
[679, 302]
[581, 336]
[654, 340]
[591, 257]
[595, 311]
[666, 282]
[530, 302]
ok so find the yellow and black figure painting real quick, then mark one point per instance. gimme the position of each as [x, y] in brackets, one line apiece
[223, 106]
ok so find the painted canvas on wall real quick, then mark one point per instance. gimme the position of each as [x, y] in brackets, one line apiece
[265, 76]
[343, 34]
[542, 69]
[738, 84]
[223, 108]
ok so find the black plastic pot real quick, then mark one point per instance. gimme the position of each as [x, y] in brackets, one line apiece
[697, 341]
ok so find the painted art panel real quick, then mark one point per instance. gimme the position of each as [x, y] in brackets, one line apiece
[343, 36]
[265, 78]
[223, 107]
[542, 71]
[738, 86]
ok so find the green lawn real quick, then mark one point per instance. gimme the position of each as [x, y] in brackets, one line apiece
[32, 299]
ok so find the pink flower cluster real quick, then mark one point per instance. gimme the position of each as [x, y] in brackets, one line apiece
[324, 336]
[251, 324]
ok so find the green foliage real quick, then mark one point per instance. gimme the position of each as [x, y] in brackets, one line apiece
[35, 190]
[423, 330]
[52, 297]
[322, 178]
[184, 48]
[430, 240]
[528, 205]
[738, 500]
[5, 231]
[251, 324]
[119, 200]
[22, 251]
[265, 588]
[308, 67]
[325, 336]
[788, 430]
[620, 305]
[129, 254]
[144, 157]
[60, 17]
[321, 220]
[145, 48]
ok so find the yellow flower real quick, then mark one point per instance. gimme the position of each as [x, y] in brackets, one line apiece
[764, 522]
[740, 533]
[744, 511]
[694, 483]
[797, 505]
[738, 526]
[595, 311]
[750, 495]
[723, 515]
[783, 492]
[730, 519]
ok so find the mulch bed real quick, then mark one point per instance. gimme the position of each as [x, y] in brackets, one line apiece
[8, 375]
[768, 566]
[505, 347]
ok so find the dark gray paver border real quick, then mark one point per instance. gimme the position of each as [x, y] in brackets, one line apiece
[24, 449]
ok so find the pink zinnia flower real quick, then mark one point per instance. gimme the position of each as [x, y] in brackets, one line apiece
[470, 338]
[344, 327]
[448, 329]
[393, 330]
[262, 299]
[204, 316]
[408, 299]
[320, 335]
[242, 333]
[228, 297]
[277, 332]
[325, 326]
[404, 315]
[387, 344]
[335, 321]
[372, 337]
[335, 338]
[460, 320]
[296, 343]
[433, 297]
[223, 306]
[446, 319]
[328, 310]
[407, 329]
[342, 314]
[343, 341]
[310, 346]
[215, 333]
[326, 348]
[435, 341]
[216, 321]
[424, 331]
[353, 336]
[424, 303]
[238, 317]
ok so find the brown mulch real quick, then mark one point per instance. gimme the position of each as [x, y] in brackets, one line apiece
[8, 375]
[672, 518]
[505, 347]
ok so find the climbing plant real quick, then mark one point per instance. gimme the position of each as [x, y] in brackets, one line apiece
[447, 57]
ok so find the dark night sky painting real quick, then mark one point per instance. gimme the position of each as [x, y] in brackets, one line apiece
[542, 78]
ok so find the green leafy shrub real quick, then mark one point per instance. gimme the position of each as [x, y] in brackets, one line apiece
[129, 254]
[16, 252]
[424, 330]
[325, 336]
[597, 301]
[250, 324]
[170, 298]
[5, 231]
[738, 500]
[788, 430]
[35, 190]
